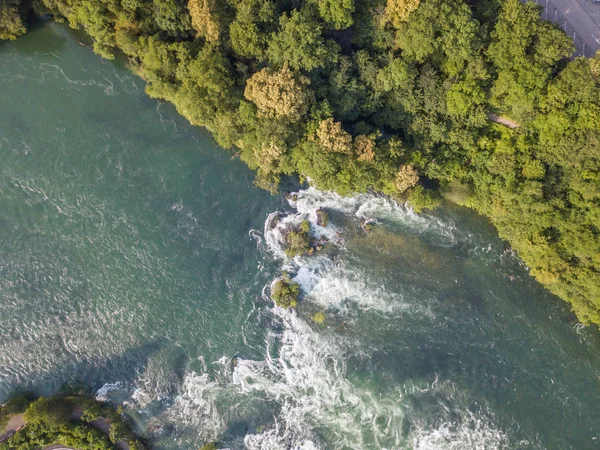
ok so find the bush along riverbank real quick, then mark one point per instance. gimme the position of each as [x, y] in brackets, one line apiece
[69, 420]
[393, 96]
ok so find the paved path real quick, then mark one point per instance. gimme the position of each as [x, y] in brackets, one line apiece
[579, 18]
[102, 425]
[14, 423]
[503, 121]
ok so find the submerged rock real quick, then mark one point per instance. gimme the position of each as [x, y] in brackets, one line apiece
[322, 217]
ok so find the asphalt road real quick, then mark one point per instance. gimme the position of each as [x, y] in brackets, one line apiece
[579, 18]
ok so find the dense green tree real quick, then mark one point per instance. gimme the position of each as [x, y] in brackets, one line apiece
[337, 13]
[300, 42]
[285, 292]
[173, 17]
[53, 411]
[249, 32]
[524, 51]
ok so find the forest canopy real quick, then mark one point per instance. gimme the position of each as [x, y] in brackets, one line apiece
[391, 96]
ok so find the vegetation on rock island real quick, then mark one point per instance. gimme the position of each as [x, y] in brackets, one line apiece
[392, 96]
[285, 292]
[298, 240]
[67, 420]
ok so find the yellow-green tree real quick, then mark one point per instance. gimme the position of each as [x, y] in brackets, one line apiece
[279, 94]
[406, 178]
[595, 66]
[364, 147]
[332, 137]
[397, 11]
[11, 25]
[205, 18]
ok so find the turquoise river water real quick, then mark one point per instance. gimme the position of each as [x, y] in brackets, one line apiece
[136, 257]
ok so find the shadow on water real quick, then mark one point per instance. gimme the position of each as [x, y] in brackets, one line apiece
[124, 368]
[31, 44]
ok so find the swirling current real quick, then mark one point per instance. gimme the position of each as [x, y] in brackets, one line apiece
[136, 257]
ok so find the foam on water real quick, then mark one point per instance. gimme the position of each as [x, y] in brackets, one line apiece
[305, 370]
[372, 207]
[314, 401]
[306, 374]
[332, 285]
[308, 398]
[196, 405]
[327, 280]
[471, 432]
[103, 393]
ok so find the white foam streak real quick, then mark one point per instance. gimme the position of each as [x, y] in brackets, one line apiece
[331, 285]
[308, 380]
[102, 394]
[470, 433]
[373, 207]
[196, 405]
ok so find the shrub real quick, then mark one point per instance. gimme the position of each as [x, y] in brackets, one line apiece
[421, 199]
[53, 411]
[298, 240]
[209, 446]
[11, 22]
[92, 412]
[119, 431]
[285, 292]
[318, 317]
[457, 192]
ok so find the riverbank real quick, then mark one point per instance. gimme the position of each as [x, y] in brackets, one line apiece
[362, 101]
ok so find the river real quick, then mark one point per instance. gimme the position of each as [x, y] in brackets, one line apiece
[136, 257]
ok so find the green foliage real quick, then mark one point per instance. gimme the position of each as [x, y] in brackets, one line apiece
[421, 199]
[337, 13]
[300, 43]
[41, 435]
[298, 240]
[318, 317]
[48, 422]
[11, 22]
[52, 411]
[525, 51]
[92, 412]
[285, 292]
[249, 32]
[209, 446]
[119, 431]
